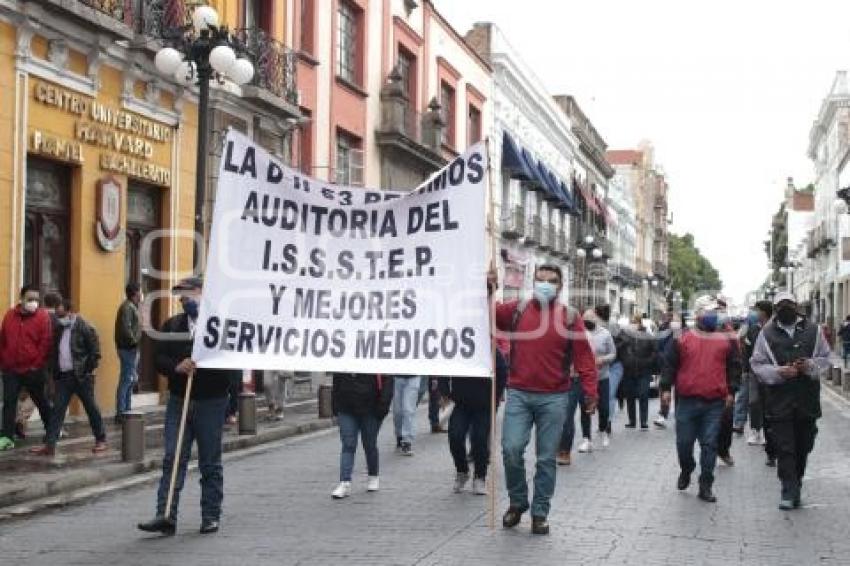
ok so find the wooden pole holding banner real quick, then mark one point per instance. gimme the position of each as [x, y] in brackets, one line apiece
[178, 452]
[493, 265]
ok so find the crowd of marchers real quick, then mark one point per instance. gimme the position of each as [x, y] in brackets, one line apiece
[549, 361]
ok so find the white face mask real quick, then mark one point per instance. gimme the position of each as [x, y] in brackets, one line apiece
[31, 306]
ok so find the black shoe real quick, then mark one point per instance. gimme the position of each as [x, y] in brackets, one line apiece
[513, 516]
[539, 526]
[644, 426]
[630, 425]
[739, 430]
[727, 459]
[684, 480]
[118, 420]
[771, 462]
[706, 495]
[406, 449]
[209, 526]
[159, 525]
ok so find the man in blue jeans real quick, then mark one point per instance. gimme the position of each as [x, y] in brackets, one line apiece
[204, 421]
[704, 366]
[405, 399]
[547, 338]
[128, 334]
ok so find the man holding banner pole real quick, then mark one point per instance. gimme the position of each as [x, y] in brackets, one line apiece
[547, 339]
[195, 411]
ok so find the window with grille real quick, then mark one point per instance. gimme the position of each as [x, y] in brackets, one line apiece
[347, 42]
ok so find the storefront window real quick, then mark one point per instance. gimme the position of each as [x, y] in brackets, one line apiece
[46, 229]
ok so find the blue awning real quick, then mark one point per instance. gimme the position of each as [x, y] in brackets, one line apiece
[537, 181]
[514, 161]
[550, 190]
[568, 201]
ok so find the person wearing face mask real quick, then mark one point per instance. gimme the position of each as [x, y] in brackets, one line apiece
[205, 419]
[547, 339]
[75, 356]
[25, 342]
[704, 366]
[605, 354]
[788, 357]
[637, 349]
[128, 335]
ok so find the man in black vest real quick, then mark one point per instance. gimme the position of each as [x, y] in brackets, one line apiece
[789, 355]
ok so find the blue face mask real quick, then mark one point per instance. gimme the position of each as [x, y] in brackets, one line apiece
[709, 321]
[545, 292]
[190, 307]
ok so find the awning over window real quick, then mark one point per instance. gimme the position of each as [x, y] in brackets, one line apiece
[588, 197]
[550, 190]
[568, 202]
[520, 164]
[514, 161]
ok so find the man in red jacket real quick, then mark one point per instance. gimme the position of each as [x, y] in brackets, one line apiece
[25, 342]
[547, 338]
[704, 365]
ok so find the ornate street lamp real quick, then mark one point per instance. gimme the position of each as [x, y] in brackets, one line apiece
[201, 52]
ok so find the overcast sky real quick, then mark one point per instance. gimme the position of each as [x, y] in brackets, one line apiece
[727, 92]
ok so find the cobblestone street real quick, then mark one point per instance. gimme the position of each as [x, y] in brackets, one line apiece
[614, 506]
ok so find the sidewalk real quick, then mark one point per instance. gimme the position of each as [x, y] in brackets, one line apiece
[34, 483]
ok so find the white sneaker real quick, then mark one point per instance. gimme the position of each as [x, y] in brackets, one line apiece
[660, 421]
[753, 438]
[460, 482]
[479, 486]
[585, 446]
[373, 484]
[342, 491]
[606, 440]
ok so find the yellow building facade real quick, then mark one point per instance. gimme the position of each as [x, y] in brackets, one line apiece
[98, 153]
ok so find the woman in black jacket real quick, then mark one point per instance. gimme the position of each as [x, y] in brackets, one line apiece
[360, 403]
[636, 351]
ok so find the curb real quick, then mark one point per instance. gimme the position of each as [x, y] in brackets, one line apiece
[85, 485]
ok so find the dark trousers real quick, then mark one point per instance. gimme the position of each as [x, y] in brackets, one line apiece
[603, 407]
[474, 422]
[724, 437]
[350, 427]
[637, 391]
[235, 387]
[846, 351]
[204, 424]
[698, 420]
[433, 402]
[575, 398]
[794, 439]
[68, 385]
[34, 382]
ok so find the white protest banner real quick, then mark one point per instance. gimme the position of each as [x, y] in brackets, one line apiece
[305, 275]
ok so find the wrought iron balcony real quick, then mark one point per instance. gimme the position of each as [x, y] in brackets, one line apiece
[659, 269]
[547, 239]
[534, 231]
[513, 225]
[274, 63]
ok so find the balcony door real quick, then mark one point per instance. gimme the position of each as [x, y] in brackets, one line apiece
[259, 14]
[47, 247]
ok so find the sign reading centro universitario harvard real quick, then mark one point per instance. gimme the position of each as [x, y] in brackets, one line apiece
[127, 142]
[302, 275]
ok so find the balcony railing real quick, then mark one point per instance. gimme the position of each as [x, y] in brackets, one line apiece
[274, 63]
[513, 225]
[534, 231]
[547, 238]
[121, 10]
